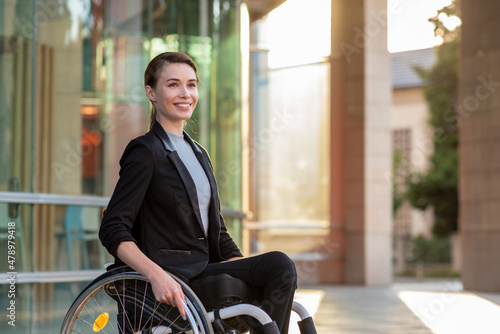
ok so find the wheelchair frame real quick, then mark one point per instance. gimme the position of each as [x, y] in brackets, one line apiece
[121, 301]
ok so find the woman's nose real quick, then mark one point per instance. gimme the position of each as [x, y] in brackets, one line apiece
[184, 91]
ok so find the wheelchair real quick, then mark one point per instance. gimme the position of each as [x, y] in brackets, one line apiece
[122, 301]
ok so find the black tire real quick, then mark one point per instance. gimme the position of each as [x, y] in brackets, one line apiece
[123, 302]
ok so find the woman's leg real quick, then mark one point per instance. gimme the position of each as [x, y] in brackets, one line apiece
[273, 274]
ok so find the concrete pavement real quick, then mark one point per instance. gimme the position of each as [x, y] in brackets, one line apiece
[406, 307]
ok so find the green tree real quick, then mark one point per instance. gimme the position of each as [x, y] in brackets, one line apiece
[398, 194]
[438, 186]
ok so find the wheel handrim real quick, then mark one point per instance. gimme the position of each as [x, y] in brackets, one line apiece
[125, 304]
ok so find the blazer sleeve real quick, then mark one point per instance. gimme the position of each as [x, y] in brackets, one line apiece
[136, 170]
[227, 246]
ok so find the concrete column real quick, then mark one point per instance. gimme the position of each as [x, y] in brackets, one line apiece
[479, 137]
[361, 148]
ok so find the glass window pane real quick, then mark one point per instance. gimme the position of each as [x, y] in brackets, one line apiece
[39, 308]
[71, 98]
[296, 138]
[290, 128]
[16, 89]
[226, 108]
[72, 92]
[292, 140]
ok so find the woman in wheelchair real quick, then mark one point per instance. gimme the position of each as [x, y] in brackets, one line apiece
[164, 214]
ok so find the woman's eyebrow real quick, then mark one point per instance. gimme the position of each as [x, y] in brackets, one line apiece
[175, 79]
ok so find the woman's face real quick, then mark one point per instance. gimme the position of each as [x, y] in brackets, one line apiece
[175, 95]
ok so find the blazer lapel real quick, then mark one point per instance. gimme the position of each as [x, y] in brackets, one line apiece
[181, 168]
[205, 164]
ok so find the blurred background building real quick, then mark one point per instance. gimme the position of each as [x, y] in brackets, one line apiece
[411, 144]
[302, 137]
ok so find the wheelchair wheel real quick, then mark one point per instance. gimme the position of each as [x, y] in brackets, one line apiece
[124, 303]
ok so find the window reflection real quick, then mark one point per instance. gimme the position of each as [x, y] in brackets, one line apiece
[77, 245]
[72, 93]
[92, 151]
[292, 142]
[72, 97]
[42, 304]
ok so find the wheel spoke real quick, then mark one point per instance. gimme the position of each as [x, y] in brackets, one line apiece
[163, 317]
[126, 298]
[112, 310]
[143, 301]
[102, 311]
[122, 305]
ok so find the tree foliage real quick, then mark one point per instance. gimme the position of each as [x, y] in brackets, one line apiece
[398, 194]
[438, 186]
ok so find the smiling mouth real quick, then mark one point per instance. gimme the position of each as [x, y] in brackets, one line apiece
[184, 105]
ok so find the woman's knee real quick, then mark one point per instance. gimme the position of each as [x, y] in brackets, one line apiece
[283, 265]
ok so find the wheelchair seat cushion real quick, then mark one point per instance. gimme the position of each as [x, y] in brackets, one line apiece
[220, 291]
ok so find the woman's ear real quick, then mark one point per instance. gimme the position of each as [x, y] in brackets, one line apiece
[150, 93]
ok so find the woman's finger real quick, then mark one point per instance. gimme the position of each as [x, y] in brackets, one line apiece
[181, 306]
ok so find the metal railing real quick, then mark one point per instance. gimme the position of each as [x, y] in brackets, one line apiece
[17, 198]
[60, 199]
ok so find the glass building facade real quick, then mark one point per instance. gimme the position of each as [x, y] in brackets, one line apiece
[71, 98]
[290, 140]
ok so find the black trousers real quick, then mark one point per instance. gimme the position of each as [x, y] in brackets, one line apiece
[273, 274]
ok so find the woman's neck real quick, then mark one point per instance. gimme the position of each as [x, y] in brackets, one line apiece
[173, 127]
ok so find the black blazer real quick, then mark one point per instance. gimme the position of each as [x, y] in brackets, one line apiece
[155, 205]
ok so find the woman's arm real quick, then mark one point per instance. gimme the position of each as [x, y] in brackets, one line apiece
[228, 248]
[136, 171]
[165, 288]
[115, 233]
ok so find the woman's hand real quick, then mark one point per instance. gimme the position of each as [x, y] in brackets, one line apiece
[165, 288]
[168, 291]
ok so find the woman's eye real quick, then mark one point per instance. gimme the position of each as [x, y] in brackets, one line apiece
[172, 85]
